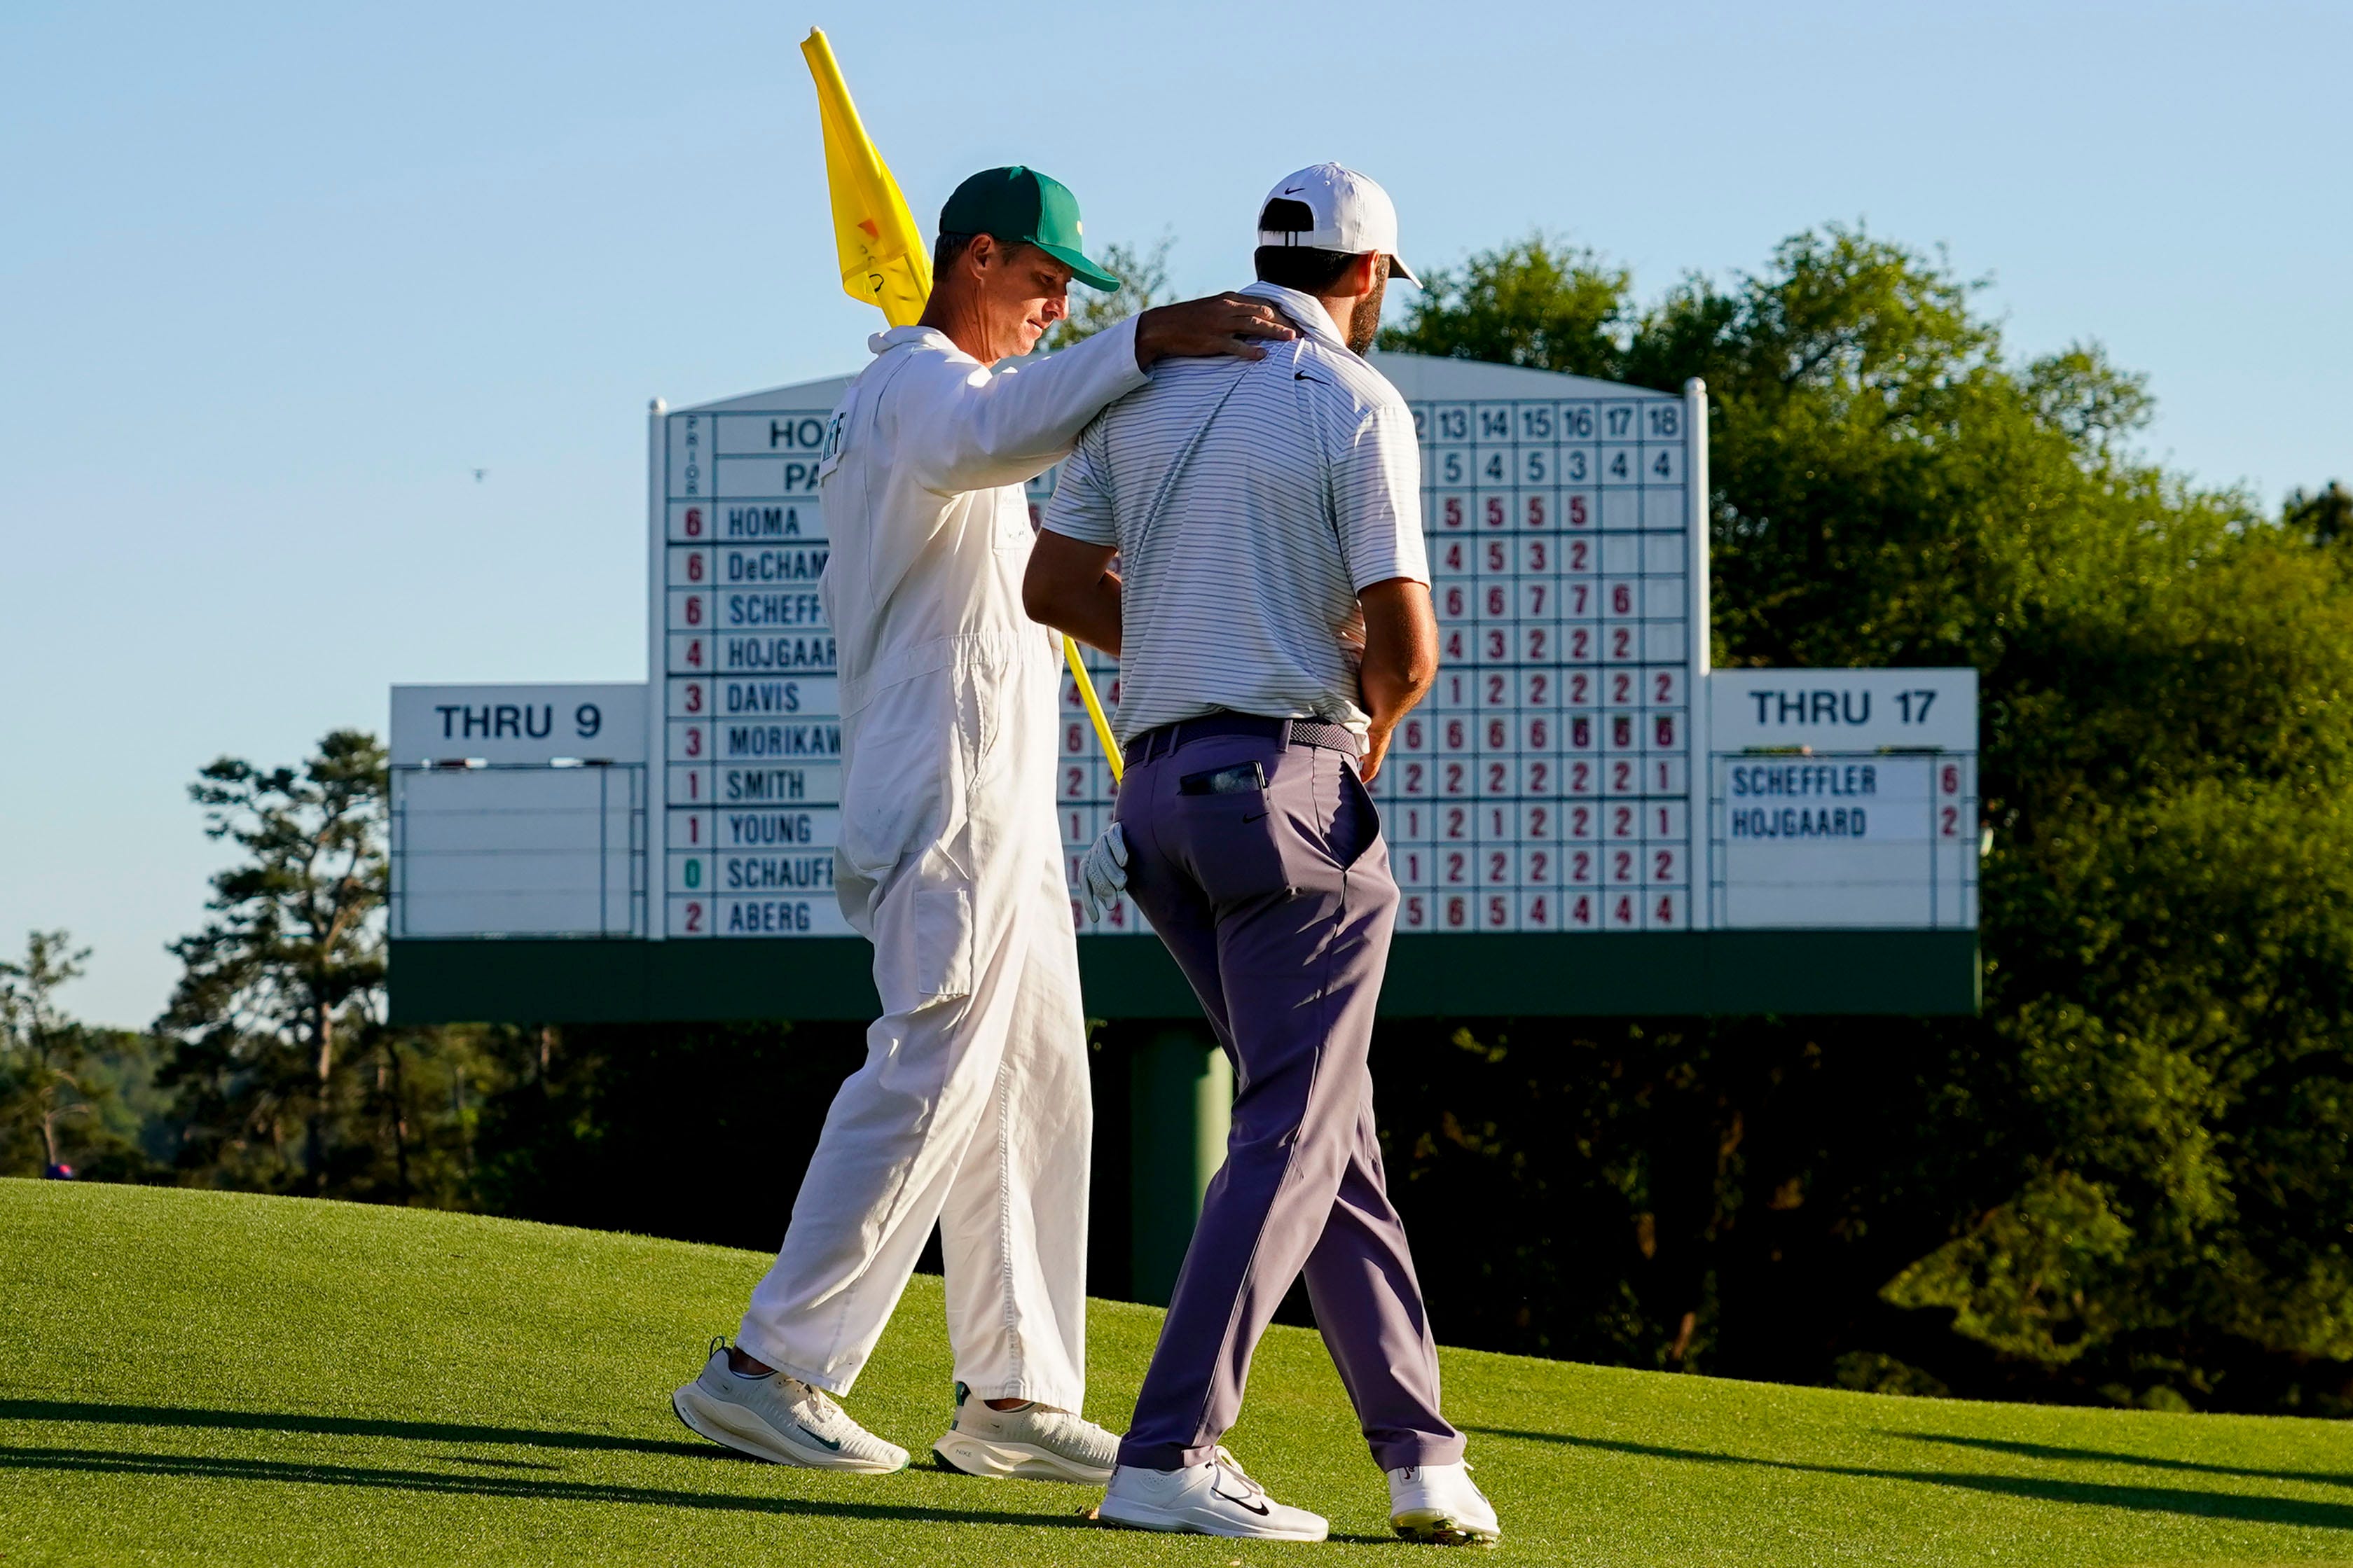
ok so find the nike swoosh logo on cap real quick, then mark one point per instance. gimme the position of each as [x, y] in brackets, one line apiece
[1293, 190]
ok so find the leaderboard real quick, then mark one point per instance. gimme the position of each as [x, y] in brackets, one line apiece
[750, 705]
[1545, 783]
[1545, 786]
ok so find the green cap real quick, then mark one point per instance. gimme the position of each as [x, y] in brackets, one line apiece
[1020, 205]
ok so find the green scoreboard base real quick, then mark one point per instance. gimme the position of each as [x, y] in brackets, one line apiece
[1499, 975]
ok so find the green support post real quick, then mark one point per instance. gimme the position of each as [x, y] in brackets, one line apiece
[1180, 1104]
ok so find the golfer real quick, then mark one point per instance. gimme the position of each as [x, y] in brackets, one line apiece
[972, 1109]
[1274, 626]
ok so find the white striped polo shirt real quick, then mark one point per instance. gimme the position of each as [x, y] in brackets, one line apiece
[1250, 501]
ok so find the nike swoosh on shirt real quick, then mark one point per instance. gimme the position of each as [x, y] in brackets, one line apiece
[1302, 375]
[1257, 1508]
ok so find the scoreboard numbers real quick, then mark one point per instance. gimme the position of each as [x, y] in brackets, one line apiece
[748, 704]
[1546, 782]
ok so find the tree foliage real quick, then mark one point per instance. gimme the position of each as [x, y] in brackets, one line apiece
[2128, 1179]
[1532, 303]
[280, 978]
[75, 1099]
[287, 1078]
[2323, 516]
[45, 1082]
[1142, 275]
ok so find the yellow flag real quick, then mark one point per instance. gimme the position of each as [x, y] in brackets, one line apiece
[883, 261]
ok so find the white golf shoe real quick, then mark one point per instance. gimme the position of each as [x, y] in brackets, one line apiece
[780, 1419]
[1035, 1442]
[1215, 1498]
[1440, 1505]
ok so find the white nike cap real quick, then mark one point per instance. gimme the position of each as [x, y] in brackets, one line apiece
[1352, 215]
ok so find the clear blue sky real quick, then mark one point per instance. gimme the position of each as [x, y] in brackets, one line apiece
[275, 280]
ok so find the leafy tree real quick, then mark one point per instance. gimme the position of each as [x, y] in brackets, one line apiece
[46, 1079]
[283, 974]
[1143, 277]
[284, 1074]
[2324, 517]
[1534, 302]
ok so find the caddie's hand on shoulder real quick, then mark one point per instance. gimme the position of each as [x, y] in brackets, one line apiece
[1231, 324]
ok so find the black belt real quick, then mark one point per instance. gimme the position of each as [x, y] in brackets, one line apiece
[1164, 739]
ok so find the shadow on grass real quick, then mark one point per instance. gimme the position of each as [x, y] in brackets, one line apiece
[2102, 1457]
[517, 1489]
[2149, 1500]
[343, 1426]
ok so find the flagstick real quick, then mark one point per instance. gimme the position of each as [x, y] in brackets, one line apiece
[1094, 708]
[877, 198]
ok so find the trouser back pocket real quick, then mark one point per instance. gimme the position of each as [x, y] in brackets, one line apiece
[1242, 778]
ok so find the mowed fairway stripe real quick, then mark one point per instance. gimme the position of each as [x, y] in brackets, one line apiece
[204, 1378]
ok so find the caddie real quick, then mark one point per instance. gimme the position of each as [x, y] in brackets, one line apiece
[972, 1109]
[1273, 624]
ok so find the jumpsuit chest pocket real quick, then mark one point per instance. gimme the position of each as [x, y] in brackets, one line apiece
[1013, 530]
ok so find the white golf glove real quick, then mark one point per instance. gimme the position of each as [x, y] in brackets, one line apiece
[1103, 875]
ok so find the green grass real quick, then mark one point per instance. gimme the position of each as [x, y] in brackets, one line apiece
[204, 1377]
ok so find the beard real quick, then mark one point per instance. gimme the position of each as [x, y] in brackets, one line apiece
[1364, 320]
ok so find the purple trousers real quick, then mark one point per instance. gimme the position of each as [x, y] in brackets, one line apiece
[1261, 867]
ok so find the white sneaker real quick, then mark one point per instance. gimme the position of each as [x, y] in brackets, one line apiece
[1439, 1504]
[780, 1419]
[1036, 1441]
[1215, 1498]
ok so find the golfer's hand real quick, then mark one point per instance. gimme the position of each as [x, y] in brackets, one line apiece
[1197, 329]
[1377, 751]
[1103, 875]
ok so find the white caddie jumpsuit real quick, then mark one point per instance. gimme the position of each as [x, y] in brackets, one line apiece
[972, 1107]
